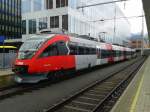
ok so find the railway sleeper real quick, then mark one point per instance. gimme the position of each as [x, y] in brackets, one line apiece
[71, 109]
[103, 89]
[86, 103]
[97, 95]
[81, 105]
[87, 100]
[84, 97]
[99, 92]
[104, 85]
[93, 96]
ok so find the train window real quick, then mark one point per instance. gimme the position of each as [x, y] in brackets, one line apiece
[81, 50]
[121, 53]
[50, 51]
[87, 50]
[62, 49]
[92, 50]
[116, 53]
[102, 53]
[105, 54]
[113, 53]
[73, 49]
[98, 53]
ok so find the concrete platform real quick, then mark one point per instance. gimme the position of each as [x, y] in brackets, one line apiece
[136, 97]
[4, 72]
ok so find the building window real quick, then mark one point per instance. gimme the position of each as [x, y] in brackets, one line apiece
[37, 5]
[54, 22]
[23, 26]
[32, 26]
[49, 4]
[9, 24]
[57, 3]
[42, 23]
[61, 3]
[26, 6]
[65, 22]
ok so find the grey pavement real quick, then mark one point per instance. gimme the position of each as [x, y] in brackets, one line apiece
[136, 97]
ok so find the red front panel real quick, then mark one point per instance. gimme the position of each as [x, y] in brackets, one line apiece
[52, 63]
[39, 64]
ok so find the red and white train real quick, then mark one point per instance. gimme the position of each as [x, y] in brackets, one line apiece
[45, 55]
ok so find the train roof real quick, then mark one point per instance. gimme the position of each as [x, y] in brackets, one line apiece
[80, 39]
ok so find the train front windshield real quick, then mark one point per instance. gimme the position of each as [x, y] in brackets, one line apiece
[28, 48]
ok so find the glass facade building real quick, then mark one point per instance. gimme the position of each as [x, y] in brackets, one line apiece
[10, 19]
[65, 14]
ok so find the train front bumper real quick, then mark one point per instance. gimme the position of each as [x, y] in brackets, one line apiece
[25, 78]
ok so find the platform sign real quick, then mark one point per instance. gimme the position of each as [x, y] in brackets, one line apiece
[2, 38]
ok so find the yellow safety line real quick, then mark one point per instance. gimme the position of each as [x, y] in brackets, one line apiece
[133, 105]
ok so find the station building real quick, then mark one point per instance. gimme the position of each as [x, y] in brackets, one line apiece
[98, 21]
[138, 43]
[10, 20]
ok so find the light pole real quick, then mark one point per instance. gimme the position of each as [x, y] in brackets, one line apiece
[114, 23]
[142, 34]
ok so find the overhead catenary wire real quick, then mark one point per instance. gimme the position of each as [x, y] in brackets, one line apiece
[129, 17]
[102, 3]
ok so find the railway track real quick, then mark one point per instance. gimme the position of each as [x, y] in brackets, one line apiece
[17, 89]
[101, 95]
[20, 89]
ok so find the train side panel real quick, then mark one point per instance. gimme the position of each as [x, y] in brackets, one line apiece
[85, 61]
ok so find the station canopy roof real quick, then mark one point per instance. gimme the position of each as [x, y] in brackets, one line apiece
[146, 6]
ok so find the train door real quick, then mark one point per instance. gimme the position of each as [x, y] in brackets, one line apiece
[63, 57]
[52, 58]
[124, 53]
[47, 59]
[110, 53]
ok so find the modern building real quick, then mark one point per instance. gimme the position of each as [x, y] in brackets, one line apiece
[98, 21]
[10, 20]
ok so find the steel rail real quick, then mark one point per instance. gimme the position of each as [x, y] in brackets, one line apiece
[70, 98]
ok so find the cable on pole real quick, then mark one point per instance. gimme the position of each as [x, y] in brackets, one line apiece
[130, 17]
[103, 3]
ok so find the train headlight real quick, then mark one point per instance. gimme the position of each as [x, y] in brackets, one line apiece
[18, 79]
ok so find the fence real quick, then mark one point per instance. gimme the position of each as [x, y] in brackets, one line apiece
[6, 60]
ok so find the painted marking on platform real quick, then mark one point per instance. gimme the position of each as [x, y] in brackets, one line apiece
[133, 105]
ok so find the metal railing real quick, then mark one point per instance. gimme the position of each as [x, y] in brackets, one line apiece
[6, 60]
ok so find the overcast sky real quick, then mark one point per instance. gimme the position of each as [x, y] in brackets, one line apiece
[134, 8]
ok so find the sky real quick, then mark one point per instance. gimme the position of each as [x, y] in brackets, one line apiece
[134, 8]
